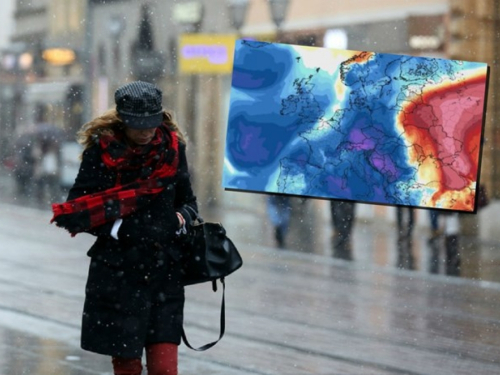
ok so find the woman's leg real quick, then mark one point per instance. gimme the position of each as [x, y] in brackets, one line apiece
[161, 359]
[127, 366]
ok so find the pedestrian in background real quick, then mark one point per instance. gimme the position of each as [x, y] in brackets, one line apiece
[405, 218]
[47, 171]
[343, 217]
[434, 224]
[134, 194]
[451, 243]
[279, 210]
[434, 241]
[24, 165]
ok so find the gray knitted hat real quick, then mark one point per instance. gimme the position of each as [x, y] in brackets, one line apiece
[139, 105]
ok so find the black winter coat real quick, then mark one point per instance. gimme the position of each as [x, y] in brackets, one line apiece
[134, 294]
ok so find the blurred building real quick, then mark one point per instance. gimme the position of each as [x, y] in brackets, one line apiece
[7, 21]
[44, 81]
[386, 26]
[81, 50]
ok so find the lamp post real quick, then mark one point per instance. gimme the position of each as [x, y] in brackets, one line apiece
[117, 25]
[189, 15]
[87, 57]
[278, 13]
[147, 62]
[237, 11]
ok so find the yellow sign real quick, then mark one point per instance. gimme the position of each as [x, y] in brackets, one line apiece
[59, 56]
[206, 53]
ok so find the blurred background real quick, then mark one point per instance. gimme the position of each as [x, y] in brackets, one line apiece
[61, 61]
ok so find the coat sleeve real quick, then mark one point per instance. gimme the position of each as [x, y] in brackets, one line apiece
[185, 200]
[93, 177]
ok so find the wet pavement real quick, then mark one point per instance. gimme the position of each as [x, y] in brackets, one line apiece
[22, 353]
[287, 311]
[374, 240]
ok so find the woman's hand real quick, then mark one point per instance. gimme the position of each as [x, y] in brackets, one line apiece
[182, 224]
[182, 221]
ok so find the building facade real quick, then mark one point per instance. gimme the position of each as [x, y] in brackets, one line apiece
[82, 50]
[46, 87]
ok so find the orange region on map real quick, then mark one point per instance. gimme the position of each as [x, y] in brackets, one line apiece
[434, 125]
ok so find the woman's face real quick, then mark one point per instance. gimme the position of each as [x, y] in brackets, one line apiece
[140, 136]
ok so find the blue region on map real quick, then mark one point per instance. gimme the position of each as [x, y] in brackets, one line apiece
[297, 127]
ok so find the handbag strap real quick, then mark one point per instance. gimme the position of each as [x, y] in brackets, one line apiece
[222, 324]
[196, 214]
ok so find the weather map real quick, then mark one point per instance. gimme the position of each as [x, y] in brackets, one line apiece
[355, 125]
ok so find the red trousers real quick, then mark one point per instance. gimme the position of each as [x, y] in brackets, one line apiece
[161, 359]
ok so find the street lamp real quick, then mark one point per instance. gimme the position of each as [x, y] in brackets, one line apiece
[278, 13]
[237, 10]
[147, 62]
[189, 14]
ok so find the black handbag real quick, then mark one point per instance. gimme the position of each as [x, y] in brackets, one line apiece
[208, 255]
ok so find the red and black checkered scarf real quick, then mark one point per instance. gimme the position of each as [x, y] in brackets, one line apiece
[156, 161]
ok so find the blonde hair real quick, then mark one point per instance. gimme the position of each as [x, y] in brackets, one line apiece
[109, 122]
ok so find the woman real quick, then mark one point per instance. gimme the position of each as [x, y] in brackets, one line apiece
[134, 194]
